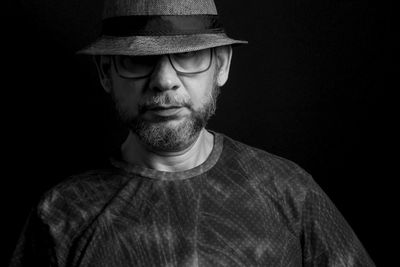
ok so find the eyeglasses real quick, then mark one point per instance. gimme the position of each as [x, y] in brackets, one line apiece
[188, 63]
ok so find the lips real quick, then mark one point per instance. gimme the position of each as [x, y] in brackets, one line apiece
[159, 107]
[164, 111]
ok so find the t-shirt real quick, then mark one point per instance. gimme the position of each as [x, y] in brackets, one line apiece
[241, 207]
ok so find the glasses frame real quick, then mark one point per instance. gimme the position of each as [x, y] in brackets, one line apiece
[172, 64]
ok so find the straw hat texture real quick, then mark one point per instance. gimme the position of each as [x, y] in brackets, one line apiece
[154, 27]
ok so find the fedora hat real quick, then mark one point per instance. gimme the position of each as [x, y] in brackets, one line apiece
[154, 27]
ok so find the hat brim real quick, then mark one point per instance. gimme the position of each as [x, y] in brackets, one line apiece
[156, 45]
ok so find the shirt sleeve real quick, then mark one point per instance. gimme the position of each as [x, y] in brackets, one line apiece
[326, 237]
[35, 246]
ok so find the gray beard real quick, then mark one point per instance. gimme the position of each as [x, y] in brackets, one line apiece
[159, 136]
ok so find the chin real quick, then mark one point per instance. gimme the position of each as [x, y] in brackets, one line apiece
[168, 135]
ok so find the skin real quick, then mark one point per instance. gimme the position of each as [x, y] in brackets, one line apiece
[164, 80]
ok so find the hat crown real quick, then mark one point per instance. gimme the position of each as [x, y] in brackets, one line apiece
[117, 8]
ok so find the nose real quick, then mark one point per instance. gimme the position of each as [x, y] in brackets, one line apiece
[164, 76]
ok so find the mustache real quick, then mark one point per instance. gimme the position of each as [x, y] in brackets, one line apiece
[164, 100]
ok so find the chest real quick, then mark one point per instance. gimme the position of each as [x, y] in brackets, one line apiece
[189, 228]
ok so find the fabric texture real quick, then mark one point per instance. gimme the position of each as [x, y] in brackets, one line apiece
[157, 25]
[156, 45]
[139, 40]
[117, 8]
[241, 207]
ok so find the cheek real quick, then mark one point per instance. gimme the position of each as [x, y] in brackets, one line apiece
[127, 95]
[200, 91]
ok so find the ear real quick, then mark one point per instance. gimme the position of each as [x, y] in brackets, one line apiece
[103, 65]
[224, 57]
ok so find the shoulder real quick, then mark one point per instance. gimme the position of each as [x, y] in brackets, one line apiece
[79, 197]
[266, 166]
[280, 183]
[94, 183]
[278, 180]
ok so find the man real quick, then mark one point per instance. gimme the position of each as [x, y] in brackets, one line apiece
[178, 194]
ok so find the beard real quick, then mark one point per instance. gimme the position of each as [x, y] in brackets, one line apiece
[163, 135]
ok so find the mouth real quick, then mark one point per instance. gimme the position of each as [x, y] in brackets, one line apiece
[164, 111]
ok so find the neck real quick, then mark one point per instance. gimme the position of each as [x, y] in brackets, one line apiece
[135, 152]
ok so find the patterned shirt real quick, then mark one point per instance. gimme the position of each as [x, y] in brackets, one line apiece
[241, 207]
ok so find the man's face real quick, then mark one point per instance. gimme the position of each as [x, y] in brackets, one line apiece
[166, 110]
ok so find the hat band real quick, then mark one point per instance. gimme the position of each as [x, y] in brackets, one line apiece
[160, 25]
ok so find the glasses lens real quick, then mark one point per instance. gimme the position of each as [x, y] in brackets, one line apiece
[134, 66]
[192, 62]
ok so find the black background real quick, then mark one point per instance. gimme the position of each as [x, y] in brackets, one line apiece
[308, 87]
